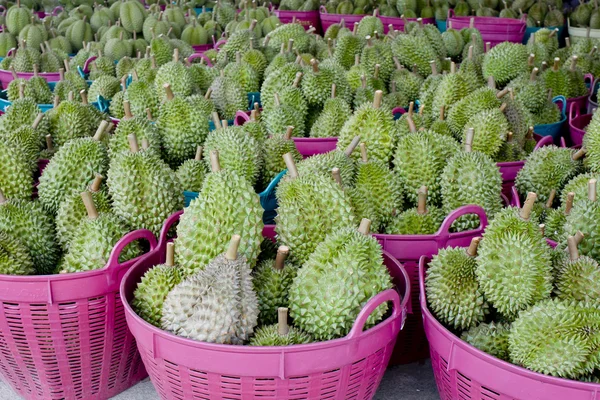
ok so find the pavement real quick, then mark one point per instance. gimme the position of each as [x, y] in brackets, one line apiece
[402, 382]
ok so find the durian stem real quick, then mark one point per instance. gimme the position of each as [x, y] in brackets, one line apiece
[442, 112]
[567, 42]
[369, 41]
[90, 207]
[224, 123]
[578, 237]
[49, 144]
[153, 61]
[208, 94]
[84, 98]
[472, 250]
[124, 81]
[452, 67]
[533, 75]
[502, 93]
[333, 87]
[365, 226]
[276, 99]
[133, 143]
[573, 63]
[22, 90]
[170, 259]
[291, 165]
[544, 66]
[353, 144]
[531, 60]
[509, 137]
[216, 120]
[95, 186]
[215, 165]
[376, 73]
[232, 250]
[297, 79]
[198, 155]
[56, 101]
[149, 114]
[253, 115]
[363, 152]
[100, 131]
[393, 87]
[551, 197]
[569, 205]
[554, 32]
[61, 74]
[543, 229]
[315, 66]
[282, 326]
[282, 253]
[556, 64]
[397, 63]
[573, 250]
[363, 81]
[109, 128]
[35, 70]
[330, 47]
[593, 51]
[491, 82]
[529, 134]
[2, 197]
[422, 200]
[579, 153]
[525, 212]
[335, 172]
[288, 132]
[470, 53]
[434, 70]
[503, 107]
[37, 120]
[168, 91]
[488, 46]
[354, 29]
[469, 140]
[592, 189]
[377, 99]
[356, 59]
[238, 57]
[411, 124]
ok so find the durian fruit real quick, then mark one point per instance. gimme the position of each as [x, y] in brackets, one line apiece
[557, 337]
[505, 62]
[584, 217]
[28, 221]
[274, 148]
[154, 287]
[282, 115]
[94, 239]
[375, 125]
[407, 82]
[452, 88]
[16, 174]
[548, 168]
[242, 73]
[145, 191]
[577, 278]
[490, 338]
[421, 220]
[227, 203]
[14, 257]
[470, 68]
[325, 298]
[104, 86]
[183, 127]
[557, 79]
[416, 50]
[229, 96]
[176, 75]
[486, 98]
[280, 334]
[556, 219]
[323, 163]
[316, 84]
[69, 120]
[453, 291]
[376, 194]
[441, 125]
[310, 207]
[141, 95]
[530, 90]
[490, 130]
[72, 168]
[216, 304]
[377, 55]
[471, 178]
[272, 281]
[364, 94]
[140, 126]
[513, 262]
[591, 142]
[238, 151]
[72, 211]
[192, 172]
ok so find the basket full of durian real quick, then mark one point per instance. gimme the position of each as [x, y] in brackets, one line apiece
[493, 30]
[513, 317]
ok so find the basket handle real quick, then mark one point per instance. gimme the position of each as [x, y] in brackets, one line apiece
[589, 78]
[2, 9]
[202, 56]
[162, 239]
[444, 231]
[241, 118]
[113, 264]
[57, 10]
[11, 52]
[86, 65]
[322, 10]
[515, 200]
[544, 141]
[220, 43]
[563, 106]
[573, 112]
[450, 13]
[422, 268]
[372, 304]
[273, 184]
[563, 143]
[398, 110]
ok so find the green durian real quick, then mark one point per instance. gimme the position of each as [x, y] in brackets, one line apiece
[325, 162]
[274, 149]
[331, 120]
[138, 125]
[422, 220]
[229, 97]
[505, 62]
[14, 256]
[416, 50]
[192, 172]
[280, 334]
[577, 277]
[490, 129]
[490, 338]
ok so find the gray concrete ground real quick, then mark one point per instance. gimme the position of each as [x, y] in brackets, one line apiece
[403, 382]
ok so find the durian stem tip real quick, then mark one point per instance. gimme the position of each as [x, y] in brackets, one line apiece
[551, 197]
[282, 253]
[569, 205]
[232, 250]
[573, 250]
[355, 142]
[315, 65]
[95, 186]
[578, 237]
[452, 67]
[288, 133]
[127, 109]
[133, 143]
[100, 130]
[503, 107]
[170, 259]
[224, 123]
[469, 140]
[534, 73]
[365, 226]
[470, 54]
[556, 64]
[543, 229]
[411, 124]
[335, 172]
[525, 212]
[297, 79]
[472, 250]
[491, 82]
[531, 60]
[377, 99]
[502, 93]
[198, 155]
[363, 152]
[215, 165]
[90, 207]
[422, 202]
[291, 165]
[442, 112]
[592, 189]
[208, 94]
[282, 325]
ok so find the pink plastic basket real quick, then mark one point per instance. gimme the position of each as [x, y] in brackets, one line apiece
[398, 23]
[412, 345]
[305, 18]
[311, 146]
[493, 30]
[577, 124]
[350, 367]
[65, 336]
[463, 372]
[582, 101]
[329, 19]
[6, 77]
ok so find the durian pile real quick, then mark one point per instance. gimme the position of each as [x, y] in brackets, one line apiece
[585, 15]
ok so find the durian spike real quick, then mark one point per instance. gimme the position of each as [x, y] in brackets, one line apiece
[335, 172]
[502, 93]
[56, 101]
[297, 79]
[37, 120]
[422, 202]
[365, 226]
[149, 114]
[377, 99]
[215, 165]
[491, 82]
[145, 144]
[363, 152]
[442, 111]
[127, 109]
[232, 250]
[551, 197]
[452, 67]
[469, 140]
[543, 229]
[533, 75]
[503, 107]
[49, 144]
[592, 189]
[333, 87]
[573, 250]
[579, 154]
[95, 186]
[525, 212]
[411, 124]
[208, 94]
[90, 207]
[133, 143]
[282, 325]
[224, 123]
[216, 120]
[531, 60]
[288, 132]
[168, 91]
[578, 237]
[291, 165]
[100, 130]
[84, 98]
[569, 205]
[434, 70]
[198, 156]
[22, 90]
[574, 63]
[556, 64]
[2, 197]
[472, 250]
[315, 65]
[282, 253]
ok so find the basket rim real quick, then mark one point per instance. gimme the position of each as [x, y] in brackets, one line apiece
[505, 365]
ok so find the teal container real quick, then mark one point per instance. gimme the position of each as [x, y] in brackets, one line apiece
[200, 11]
[253, 97]
[441, 25]
[5, 103]
[268, 200]
[554, 129]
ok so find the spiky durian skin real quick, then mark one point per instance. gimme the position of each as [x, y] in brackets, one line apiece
[272, 286]
[376, 195]
[277, 81]
[513, 264]
[585, 217]
[215, 305]
[379, 53]
[310, 207]
[490, 128]
[505, 62]
[279, 117]
[316, 86]
[16, 176]
[93, 243]
[141, 127]
[238, 151]
[533, 94]
[579, 186]
[229, 97]
[144, 190]
[105, 86]
[227, 205]
[116, 109]
[419, 160]
[73, 167]
[191, 175]
[554, 222]
[410, 222]
[578, 280]
[375, 127]
[480, 100]
[346, 49]
[407, 83]
[274, 149]
[178, 76]
[337, 280]
[14, 257]
[453, 290]
[591, 142]
[557, 337]
[547, 168]
[72, 211]
[415, 50]
[29, 222]
[141, 95]
[325, 162]
[184, 127]
[490, 338]
[152, 290]
[269, 336]
[451, 89]
[68, 121]
[471, 178]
